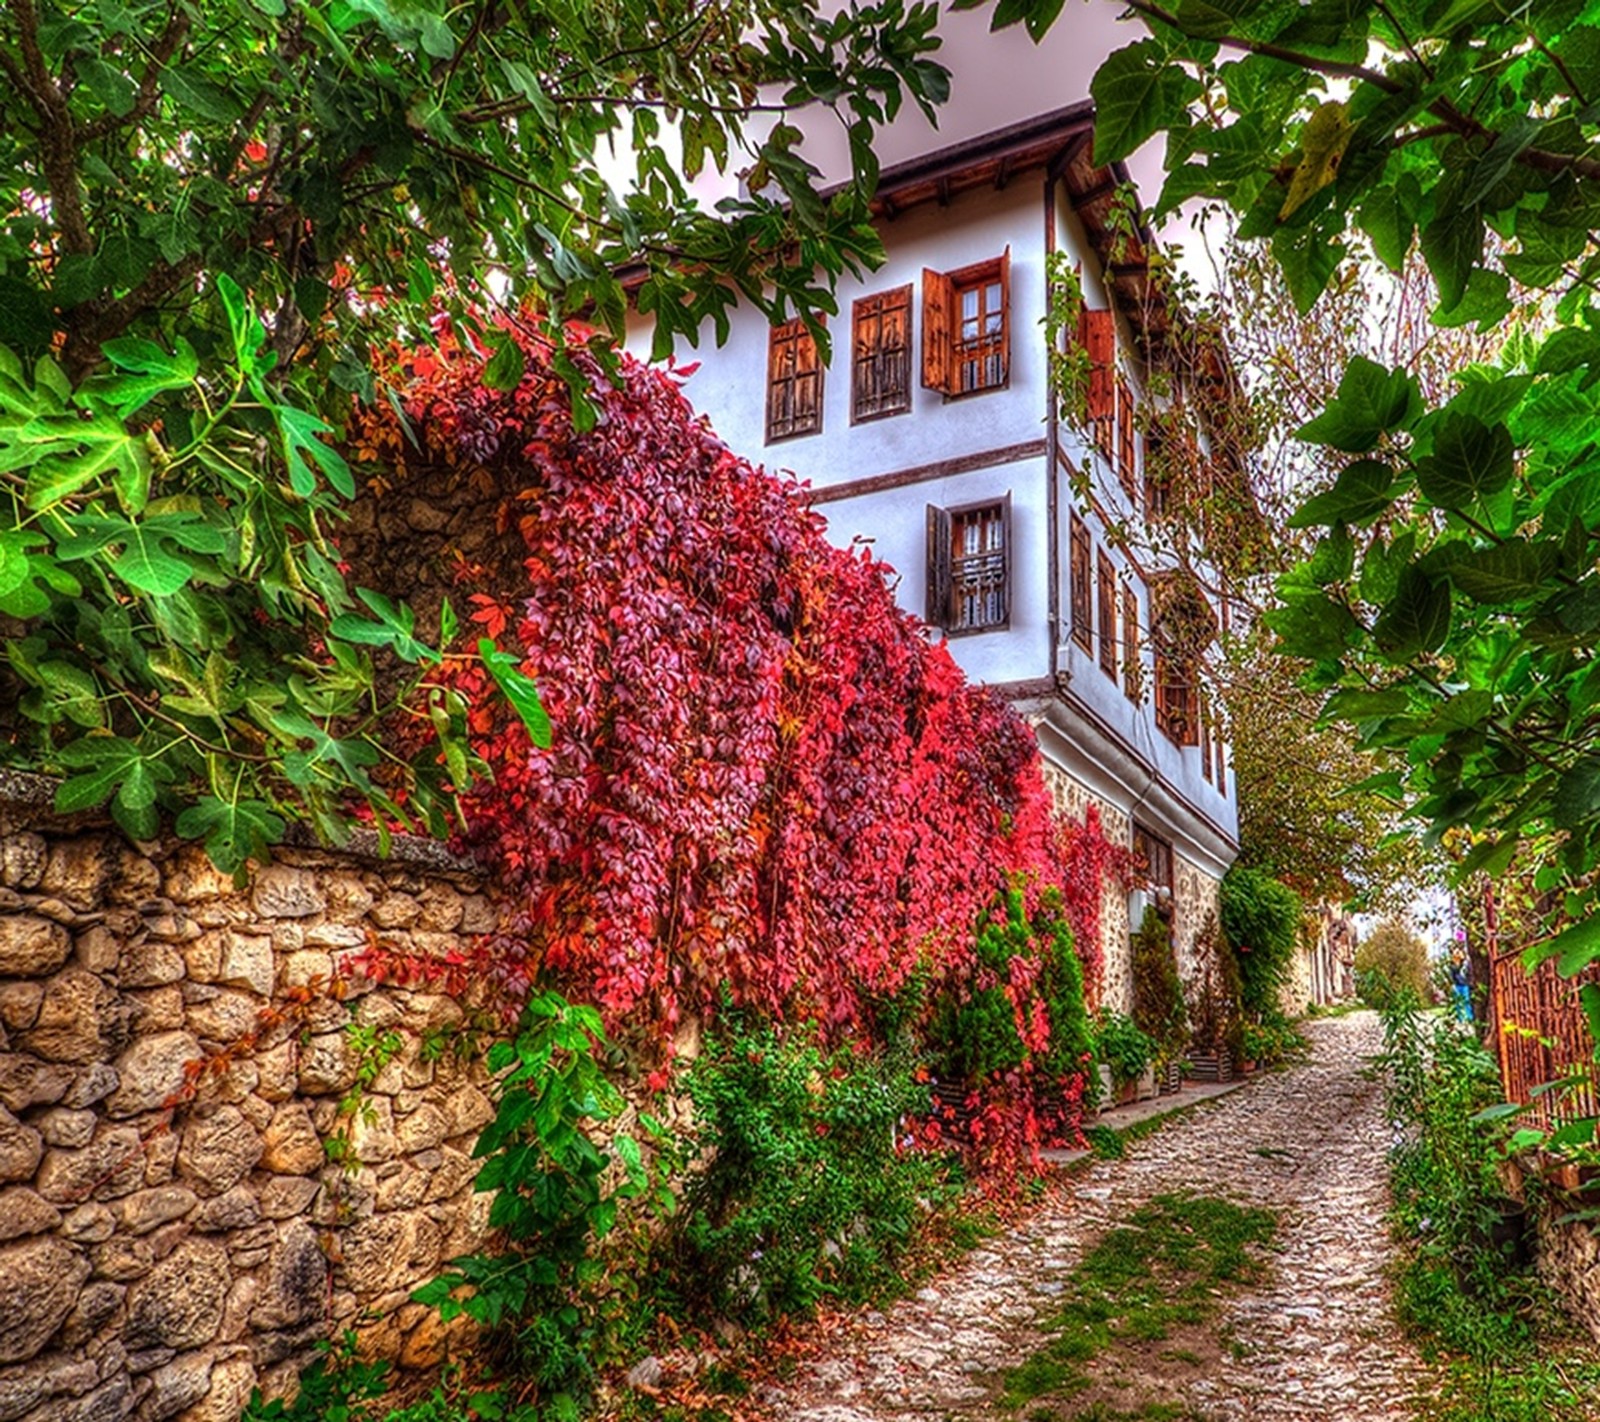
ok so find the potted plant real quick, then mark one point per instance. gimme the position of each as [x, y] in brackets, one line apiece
[1125, 1051]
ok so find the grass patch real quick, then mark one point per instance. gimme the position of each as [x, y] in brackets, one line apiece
[1153, 1281]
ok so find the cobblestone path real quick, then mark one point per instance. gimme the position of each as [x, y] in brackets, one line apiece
[1314, 1341]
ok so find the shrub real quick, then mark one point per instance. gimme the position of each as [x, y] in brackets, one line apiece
[1271, 1041]
[1213, 994]
[1158, 1007]
[1260, 918]
[810, 1183]
[1390, 963]
[1120, 1045]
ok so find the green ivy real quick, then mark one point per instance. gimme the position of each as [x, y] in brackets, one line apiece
[1261, 921]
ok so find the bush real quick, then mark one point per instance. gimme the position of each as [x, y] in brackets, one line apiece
[1271, 1041]
[1390, 964]
[1158, 1006]
[1120, 1045]
[810, 1184]
[1213, 994]
[1260, 918]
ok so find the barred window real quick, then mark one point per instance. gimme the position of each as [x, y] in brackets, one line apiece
[969, 567]
[794, 382]
[966, 327]
[880, 376]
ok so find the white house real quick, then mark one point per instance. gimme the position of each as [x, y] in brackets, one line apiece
[935, 433]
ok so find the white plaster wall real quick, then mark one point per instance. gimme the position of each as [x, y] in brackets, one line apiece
[730, 385]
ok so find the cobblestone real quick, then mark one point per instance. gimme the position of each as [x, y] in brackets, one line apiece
[1315, 1342]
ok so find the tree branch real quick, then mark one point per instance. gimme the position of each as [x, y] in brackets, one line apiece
[58, 141]
[161, 53]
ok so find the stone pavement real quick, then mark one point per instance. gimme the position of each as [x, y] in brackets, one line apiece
[1314, 1342]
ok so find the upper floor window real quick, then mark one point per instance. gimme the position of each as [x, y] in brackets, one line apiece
[969, 566]
[1106, 578]
[1182, 624]
[1082, 604]
[966, 327]
[880, 367]
[1155, 855]
[794, 382]
[1132, 671]
[1127, 454]
[1097, 332]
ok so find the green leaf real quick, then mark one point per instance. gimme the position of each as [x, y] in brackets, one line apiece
[519, 690]
[104, 763]
[234, 831]
[243, 325]
[1577, 795]
[300, 429]
[1470, 462]
[1137, 92]
[1370, 402]
[1363, 490]
[505, 368]
[1417, 620]
[1452, 244]
[149, 371]
[1507, 572]
[1576, 947]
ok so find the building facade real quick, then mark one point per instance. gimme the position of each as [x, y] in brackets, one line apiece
[936, 434]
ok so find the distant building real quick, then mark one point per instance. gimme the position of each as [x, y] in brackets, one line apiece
[934, 434]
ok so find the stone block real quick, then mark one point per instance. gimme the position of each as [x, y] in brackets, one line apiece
[97, 1304]
[92, 1084]
[285, 1196]
[178, 1304]
[372, 1134]
[156, 1010]
[24, 1212]
[26, 1081]
[247, 963]
[81, 1020]
[150, 963]
[22, 860]
[327, 1065]
[121, 1259]
[192, 878]
[235, 1209]
[112, 1164]
[20, 1148]
[295, 1285]
[181, 1383]
[349, 900]
[283, 891]
[146, 1210]
[226, 1017]
[306, 967]
[92, 1223]
[292, 1145]
[227, 1396]
[151, 1071]
[42, 1278]
[396, 911]
[97, 949]
[77, 870]
[31, 946]
[202, 959]
[424, 1129]
[218, 1150]
[19, 1004]
[71, 1130]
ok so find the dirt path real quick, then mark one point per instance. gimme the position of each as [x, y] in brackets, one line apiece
[1312, 1341]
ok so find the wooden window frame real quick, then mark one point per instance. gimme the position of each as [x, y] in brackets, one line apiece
[1177, 716]
[943, 587]
[1081, 586]
[1106, 599]
[1205, 736]
[1157, 855]
[1097, 333]
[941, 325]
[1127, 447]
[866, 309]
[795, 332]
[1132, 667]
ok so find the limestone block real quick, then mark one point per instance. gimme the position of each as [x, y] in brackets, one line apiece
[218, 1150]
[226, 1017]
[249, 1247]
[92, 1223]
[441, 909]
[282, 891]
[19, 1004]
[22, 860]
[54, 1375]
[348, 898]
[468, 1111]
[292, 1146]
[92, 1084]
[235, 1209]
[80, 1020]
[150, 1071]
[26, 1081]
[278, 1071]
[20, 1148]
[327, 1065]
[160, 1158]
[157, 1010]
[478, 915]
[110, 1402]
[146, 1210]
[305, 967]
[246, 963]
[121, 1259]
[135, 878]
[379, 1252]
[372, 1134]
[77, 870]
[396, 911]
[161, 922]
[257, 1111]
[424, 1129]
[285, 1196]
[150, 963]
[288, 936]
[296, 1281]
[403, 1191]
[24, 1212]
[112, 1164]
[97, 949]
[335, 935]
[227, 1396]
[31, 947]
[178, 1304]
[69, 1129]
[202, 959]
[96, 1305]
[192, 878]
[179, 1384]
[42, 1278]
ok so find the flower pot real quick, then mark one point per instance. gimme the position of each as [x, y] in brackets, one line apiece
[1212, 1066]
[1147, 1083]
[1171, 1079]
[1127, 1093]
[1108, 1085]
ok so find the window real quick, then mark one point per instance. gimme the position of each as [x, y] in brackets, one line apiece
[1182, 624]
[880, 369]
[1132, 671]
[794, 382]
[1155, 855]
[1175, 712]
[1098, 333]
[1156, 474]
[1106, 578]
[1127, 458]
[1082, 583]
[1205, 736]
[969, 567]
[966, 327]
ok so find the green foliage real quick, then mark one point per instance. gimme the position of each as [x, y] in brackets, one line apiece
[178, 624]
[1261, 919]
[1391, 962]
[1166, 1268]
[1271, 1041]
[1467, 1286]
[1120, 1045]
[1158, 1007]
[808, 1185]
[1214, 993]
[536, 1298]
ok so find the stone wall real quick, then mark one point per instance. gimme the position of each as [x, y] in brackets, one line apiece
[169, 1241]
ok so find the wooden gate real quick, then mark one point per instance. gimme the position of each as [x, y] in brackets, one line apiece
[1543, 1038]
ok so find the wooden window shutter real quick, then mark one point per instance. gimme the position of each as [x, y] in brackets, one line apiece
[1100, 343]
[1005, 315]
[937, 339]
[1106, 596]
[1082, 583]
[1132, 671]
[1127, 462]
[1009, 549]
[939, 580]
[807, 383]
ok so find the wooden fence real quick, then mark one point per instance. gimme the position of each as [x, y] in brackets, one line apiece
[1543, 1038]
